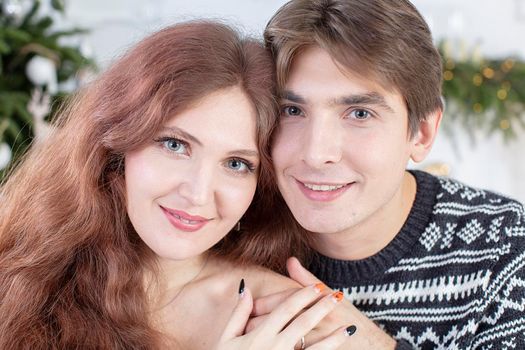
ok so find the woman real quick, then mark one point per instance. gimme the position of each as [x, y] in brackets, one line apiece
[111, 233]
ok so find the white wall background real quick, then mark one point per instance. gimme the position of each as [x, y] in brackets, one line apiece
[497, 28]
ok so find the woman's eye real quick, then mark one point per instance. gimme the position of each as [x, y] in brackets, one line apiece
[292, 111]
[239, 165]
[360, 114]
[176, 146]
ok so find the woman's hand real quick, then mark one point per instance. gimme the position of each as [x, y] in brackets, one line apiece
[367, 336]
[284, 327]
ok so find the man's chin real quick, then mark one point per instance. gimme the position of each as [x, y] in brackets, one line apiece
[323, 226]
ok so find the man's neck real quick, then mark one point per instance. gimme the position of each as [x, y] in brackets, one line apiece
[372, 235]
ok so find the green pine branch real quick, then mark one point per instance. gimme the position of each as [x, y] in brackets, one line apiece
[484, 94]
[20, 40]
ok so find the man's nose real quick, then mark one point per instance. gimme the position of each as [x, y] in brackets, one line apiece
[322, 142]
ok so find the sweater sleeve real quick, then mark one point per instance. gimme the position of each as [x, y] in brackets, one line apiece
[503, 323]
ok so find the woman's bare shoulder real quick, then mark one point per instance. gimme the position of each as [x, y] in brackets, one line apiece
[268, 282]
[260, 280]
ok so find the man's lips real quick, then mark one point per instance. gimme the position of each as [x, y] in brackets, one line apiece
[323, 192]
[184, 221]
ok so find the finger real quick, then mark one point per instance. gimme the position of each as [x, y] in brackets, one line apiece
[266, 304]
[255, 322]
[314, 336]
[334, 340]
[298, 273]
[292, 306]
[305, 322]
[241, 313]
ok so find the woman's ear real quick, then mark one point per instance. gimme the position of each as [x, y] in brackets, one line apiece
[424, 138]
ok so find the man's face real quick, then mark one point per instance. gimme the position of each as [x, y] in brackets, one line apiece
[342, 147]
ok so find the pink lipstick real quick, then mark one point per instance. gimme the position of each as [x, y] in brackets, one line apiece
[184, 221]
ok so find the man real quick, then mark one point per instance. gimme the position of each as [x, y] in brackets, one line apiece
[430, 261]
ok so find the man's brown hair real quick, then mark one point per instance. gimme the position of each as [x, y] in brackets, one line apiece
[386, 40]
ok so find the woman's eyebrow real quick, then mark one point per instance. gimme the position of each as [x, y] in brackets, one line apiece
[178, 131]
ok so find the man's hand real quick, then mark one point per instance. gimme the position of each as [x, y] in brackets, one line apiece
[367, 336]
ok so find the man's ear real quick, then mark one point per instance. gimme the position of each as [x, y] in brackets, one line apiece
[424, 138]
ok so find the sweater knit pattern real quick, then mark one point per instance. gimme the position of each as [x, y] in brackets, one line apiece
[452, 278]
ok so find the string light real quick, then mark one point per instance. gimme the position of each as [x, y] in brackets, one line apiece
[507, 65]
[488, 73]
[502, 94]
[477, 79]
[477, 107]
[482, 90]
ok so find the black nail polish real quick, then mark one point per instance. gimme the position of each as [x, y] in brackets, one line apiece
[241, 286]
[350, 330]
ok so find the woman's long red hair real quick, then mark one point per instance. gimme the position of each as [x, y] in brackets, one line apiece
[70, 262]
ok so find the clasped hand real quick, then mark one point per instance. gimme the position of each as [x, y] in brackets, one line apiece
[279, 321]
[283, 328]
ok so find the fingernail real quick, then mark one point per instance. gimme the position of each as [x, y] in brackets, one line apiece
[241, 288]
[319, 287]
[337, 296]
[350, 330]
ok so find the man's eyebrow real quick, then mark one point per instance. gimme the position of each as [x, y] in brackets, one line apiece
[293, 97]
[182, 133]
[371, 98]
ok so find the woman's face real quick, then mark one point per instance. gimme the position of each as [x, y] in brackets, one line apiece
[192, 183]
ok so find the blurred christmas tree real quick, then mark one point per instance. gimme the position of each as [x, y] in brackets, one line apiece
[32, 56]
[483, 94]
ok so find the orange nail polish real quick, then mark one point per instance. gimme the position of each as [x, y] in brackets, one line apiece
[338, 296]
[319, 287]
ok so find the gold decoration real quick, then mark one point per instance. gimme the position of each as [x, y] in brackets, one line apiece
[483, 93]
[488, 73]
[477, 79]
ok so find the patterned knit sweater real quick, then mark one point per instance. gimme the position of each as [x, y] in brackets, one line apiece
[453, 277]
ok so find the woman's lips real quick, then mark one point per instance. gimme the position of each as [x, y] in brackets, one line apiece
[184, 221]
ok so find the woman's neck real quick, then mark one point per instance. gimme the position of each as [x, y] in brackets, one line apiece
[166, 285]
[175, 274]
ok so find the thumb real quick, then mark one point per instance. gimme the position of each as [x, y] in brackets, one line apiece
[298, 273]
[240, 315]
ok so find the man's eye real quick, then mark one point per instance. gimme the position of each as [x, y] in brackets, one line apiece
[360, 114]
[292, 111]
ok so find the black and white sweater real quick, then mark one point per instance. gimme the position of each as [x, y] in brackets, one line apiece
[454, 276]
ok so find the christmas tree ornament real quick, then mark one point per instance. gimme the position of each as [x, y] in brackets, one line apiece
[39, 106]
[15, 9]
[86, 49]
[5, 155]
[27, 29]
[12, 8]
[41, 71]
